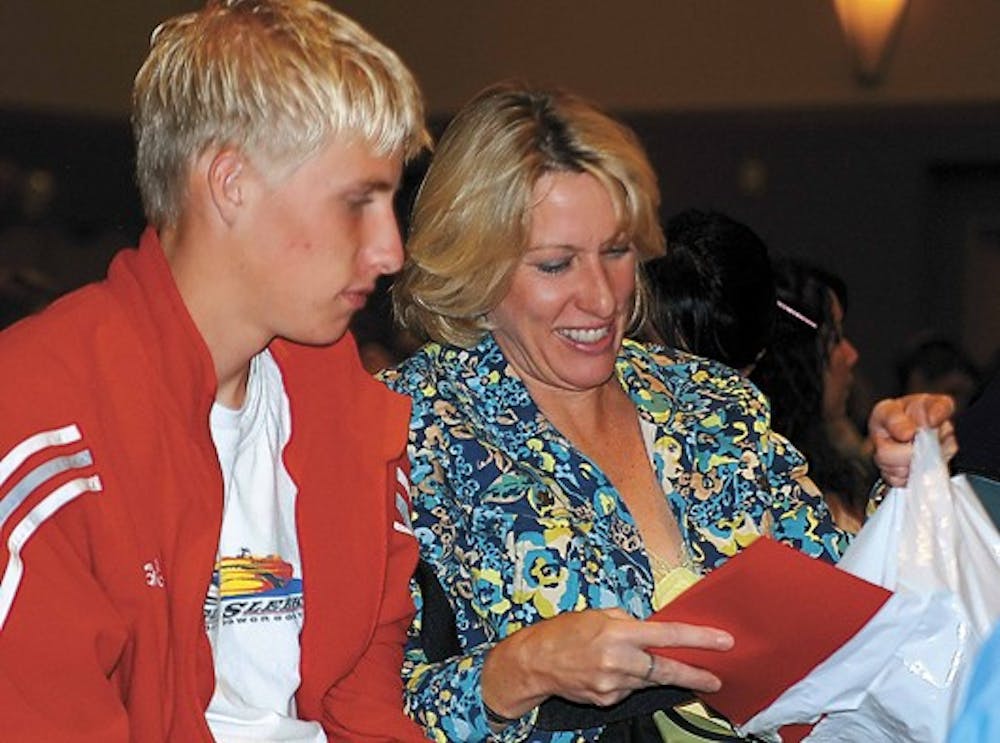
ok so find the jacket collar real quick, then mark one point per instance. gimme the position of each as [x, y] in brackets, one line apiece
[141, 279]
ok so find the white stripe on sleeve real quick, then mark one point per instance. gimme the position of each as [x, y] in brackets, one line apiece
[27, 526]
[34, 444]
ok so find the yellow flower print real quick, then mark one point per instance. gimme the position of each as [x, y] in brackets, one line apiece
[556, 532]
[705, 486]
[548, 461]
[489, 588]
[720, 460]
[607, 503]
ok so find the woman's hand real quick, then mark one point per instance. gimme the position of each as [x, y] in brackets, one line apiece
[893, 424]
[596, 656]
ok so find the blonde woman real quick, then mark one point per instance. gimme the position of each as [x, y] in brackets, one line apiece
[559, 493]
[567, 481]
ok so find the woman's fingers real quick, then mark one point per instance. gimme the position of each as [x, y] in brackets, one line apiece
[893, 424]
[670, 672]
[600, 657]
[890, 421]
[893, 460]
[948, 440]
[899, 418]
[681, 635]
[930, 411]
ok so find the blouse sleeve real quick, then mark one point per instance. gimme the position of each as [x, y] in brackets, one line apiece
[745, 479]
[465, 545]
[444, 697]
[799, 516]
[793, 509]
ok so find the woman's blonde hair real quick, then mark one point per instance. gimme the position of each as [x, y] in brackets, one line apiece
[471, 218]
[274, 78]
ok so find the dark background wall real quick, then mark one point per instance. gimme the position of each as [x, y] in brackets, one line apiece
[749, 108]
[895, 200]
[632, 55]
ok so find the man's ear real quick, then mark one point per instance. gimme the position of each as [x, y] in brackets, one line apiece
[227, 174]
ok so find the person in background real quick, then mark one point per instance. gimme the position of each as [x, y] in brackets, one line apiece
[204, 530]
[713, 292]
[940, 366]
[806, 372]
[715, 296]
[978, 429]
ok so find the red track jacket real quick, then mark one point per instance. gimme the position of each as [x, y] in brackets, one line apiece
[111, 506]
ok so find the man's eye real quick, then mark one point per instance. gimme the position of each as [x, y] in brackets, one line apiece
[356, 200]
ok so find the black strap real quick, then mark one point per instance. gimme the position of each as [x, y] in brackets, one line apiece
[438, 634]
[557, 713]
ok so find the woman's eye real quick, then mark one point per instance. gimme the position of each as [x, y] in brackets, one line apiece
[553, 266]
[616, 251]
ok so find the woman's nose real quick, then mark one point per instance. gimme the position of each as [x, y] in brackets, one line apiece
[597, 294]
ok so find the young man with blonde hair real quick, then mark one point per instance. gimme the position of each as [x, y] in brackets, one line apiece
[203, 517]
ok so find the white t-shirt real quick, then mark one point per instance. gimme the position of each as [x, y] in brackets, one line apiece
[254, 609]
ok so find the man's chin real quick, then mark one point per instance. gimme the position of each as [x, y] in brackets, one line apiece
[319, 336]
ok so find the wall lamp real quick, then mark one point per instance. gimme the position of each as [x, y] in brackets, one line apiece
[870, 28]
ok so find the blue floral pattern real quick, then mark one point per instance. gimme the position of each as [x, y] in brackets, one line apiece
[521, 526]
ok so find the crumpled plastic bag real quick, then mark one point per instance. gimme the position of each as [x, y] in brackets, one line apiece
[940, 535]
[903, 675]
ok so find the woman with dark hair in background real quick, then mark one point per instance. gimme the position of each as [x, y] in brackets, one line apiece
[713, 293]
[807, 373]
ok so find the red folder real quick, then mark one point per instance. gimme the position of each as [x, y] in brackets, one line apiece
[787, 612]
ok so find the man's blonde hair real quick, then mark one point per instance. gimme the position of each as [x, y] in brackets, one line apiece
[273, 78]
[471, 218]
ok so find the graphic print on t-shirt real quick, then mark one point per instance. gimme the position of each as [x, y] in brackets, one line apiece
[253, 588]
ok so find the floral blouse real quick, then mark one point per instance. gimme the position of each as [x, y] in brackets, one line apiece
[520, 526]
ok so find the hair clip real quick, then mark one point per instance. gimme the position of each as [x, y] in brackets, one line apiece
[797, 315]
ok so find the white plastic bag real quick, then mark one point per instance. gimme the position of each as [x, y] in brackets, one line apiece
[901, 677]
[940, 534]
